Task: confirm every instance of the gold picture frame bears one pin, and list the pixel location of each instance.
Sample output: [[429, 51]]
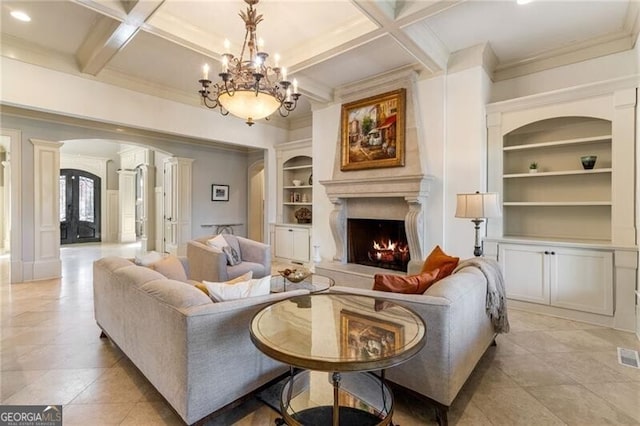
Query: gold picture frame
[[373, 131], [368, 338]]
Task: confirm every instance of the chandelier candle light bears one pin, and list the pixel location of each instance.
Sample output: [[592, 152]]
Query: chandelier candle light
[[250, 89]]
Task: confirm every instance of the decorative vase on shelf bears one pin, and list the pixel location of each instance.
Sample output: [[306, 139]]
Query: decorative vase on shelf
[[533, 167], [588, 161]]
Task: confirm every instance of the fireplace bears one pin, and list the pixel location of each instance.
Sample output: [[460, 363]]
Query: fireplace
[[378, 242]]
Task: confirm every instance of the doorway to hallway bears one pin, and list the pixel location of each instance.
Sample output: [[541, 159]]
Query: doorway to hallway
[[79, 207]]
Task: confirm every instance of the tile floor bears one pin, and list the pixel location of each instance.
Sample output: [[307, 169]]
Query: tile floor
[[546, 371]]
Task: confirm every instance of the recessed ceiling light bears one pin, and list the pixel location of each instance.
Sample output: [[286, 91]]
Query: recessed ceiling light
[[21, 16], [523, 1]]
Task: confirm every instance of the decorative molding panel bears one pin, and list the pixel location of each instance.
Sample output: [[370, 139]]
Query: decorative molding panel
[[46, 192]]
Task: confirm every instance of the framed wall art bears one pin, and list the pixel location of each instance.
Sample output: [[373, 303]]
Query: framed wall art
[[373, 131], [219, 192], [365, 337]]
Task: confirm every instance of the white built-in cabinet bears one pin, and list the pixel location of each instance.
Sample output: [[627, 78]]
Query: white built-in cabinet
[[292, 237], [292, 243], [580, 279], [567, 237]]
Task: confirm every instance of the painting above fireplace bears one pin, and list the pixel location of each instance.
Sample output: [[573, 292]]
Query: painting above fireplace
[[381, 243]]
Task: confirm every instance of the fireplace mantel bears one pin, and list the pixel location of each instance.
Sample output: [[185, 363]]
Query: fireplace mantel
[[407, 186], [414, 189]]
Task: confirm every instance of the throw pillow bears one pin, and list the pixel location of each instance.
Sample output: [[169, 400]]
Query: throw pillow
[[407, 284], [242, 278], [148, 258], [220, 292], [218, 242], [170, 267], [438, 259], [233, 258]]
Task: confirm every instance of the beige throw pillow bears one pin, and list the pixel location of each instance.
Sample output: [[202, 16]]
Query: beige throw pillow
[[242, 278]]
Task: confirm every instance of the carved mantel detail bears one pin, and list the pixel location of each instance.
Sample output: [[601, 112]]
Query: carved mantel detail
[[413, 189]]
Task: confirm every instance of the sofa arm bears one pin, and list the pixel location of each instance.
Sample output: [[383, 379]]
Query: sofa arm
[[206, 263], [255, 251]]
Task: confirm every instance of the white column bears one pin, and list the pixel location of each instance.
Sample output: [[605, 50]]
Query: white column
[[623, 157], [127, 204], [46, 192], [148, 211], [6, 217]]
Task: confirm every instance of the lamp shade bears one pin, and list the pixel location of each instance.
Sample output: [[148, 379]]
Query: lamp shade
[[478, 205]]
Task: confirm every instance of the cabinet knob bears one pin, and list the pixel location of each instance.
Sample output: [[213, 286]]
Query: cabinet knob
[[546, 252], [553, 253], [290, 230]]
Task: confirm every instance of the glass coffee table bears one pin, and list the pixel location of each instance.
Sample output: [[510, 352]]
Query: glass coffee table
[[315, 283], [337, 340]]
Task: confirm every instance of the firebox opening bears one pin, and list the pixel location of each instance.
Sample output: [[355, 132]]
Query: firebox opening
[[378, 242]]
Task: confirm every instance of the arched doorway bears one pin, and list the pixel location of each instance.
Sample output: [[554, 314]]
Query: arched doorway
[[79, 207]]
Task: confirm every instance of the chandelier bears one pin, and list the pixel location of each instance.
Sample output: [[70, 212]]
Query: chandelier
[[249, 88]]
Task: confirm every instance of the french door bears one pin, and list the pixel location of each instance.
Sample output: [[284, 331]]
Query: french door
[[79, 207]]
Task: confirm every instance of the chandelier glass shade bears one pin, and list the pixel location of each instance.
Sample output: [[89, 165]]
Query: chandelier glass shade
[[249, 88]]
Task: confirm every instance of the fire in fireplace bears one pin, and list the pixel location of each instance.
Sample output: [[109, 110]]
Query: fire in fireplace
[[378, 242]]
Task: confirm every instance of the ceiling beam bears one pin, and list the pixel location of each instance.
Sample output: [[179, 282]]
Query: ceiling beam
[[109, 36], [434, 59]]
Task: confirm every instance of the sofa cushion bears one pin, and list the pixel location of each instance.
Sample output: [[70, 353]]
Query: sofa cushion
[[113, 262], [137, 275], [175, 293], [232, 241], [438, 259], [148, 258], [218, 242], [233, 257], [202, 286], [170, 267], [407, 284], [255, 287]]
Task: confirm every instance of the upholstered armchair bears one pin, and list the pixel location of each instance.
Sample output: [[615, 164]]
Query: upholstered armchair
[[210, 263]]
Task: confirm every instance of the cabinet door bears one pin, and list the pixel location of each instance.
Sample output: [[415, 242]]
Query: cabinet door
[[525, 272], [582, 280], [300, 244], [284, 246]]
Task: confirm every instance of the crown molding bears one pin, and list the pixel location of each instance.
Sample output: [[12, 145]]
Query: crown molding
[[576, 52], [565, 95]]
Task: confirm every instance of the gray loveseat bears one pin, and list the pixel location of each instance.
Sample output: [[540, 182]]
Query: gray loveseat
[[459, 331], [196, 353], [210, 263]]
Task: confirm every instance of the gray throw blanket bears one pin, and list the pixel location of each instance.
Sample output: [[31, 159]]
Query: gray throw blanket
[[496, 302]]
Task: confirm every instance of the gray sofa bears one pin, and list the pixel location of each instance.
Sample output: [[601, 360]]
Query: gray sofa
[[196, 353], [210, 263], [459, 331]]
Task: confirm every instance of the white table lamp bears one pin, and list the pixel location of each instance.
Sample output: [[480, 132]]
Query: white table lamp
[[477, 207]]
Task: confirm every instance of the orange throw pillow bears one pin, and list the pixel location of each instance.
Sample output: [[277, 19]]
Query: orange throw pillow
[[408, 284], [438, 259]]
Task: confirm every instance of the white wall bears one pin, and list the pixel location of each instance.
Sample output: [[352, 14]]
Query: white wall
[[465, 152], [326, 133]]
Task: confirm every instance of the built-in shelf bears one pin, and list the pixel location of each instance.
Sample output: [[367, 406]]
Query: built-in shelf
[[558, 173], [558, 143], [556, 203], [297, 187], [298, 167], [298, 204]]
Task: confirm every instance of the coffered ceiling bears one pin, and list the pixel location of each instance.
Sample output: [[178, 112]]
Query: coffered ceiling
[[159, 46]]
